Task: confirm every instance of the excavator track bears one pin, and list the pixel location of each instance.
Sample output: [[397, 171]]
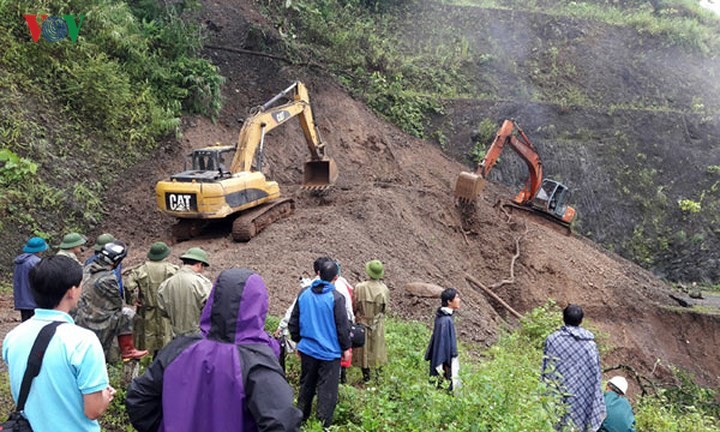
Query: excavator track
[[538, 216], [185, 229], [250, 223]]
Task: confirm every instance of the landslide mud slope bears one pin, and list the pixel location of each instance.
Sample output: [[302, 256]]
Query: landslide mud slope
[[393, 201], [626, 119]]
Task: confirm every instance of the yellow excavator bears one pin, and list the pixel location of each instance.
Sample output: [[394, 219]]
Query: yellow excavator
[[545, 197], [212, 190]]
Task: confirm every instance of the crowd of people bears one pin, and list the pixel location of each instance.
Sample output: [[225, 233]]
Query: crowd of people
[[214, 366]]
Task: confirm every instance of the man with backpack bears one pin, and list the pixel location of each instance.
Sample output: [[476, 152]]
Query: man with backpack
[[72, 388]]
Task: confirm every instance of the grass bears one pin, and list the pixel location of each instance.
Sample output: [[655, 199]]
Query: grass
[[501, 390]]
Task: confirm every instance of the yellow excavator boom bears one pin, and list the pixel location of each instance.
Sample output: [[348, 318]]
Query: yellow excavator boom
[[320, 171]]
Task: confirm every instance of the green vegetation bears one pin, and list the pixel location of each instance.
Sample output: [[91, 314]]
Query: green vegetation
[[406, 72], [358, 41], [88, 109], [500, 392], [483, 136], [680, 22]]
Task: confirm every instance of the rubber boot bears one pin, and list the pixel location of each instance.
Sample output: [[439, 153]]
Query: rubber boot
[[127, 348], [366, 374]]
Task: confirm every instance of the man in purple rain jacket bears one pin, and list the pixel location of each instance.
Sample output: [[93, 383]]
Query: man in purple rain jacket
[[226, 377]]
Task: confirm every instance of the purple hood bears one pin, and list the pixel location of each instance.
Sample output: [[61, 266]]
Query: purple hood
[[236, 309]]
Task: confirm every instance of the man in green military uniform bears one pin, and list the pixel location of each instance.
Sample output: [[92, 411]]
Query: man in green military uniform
[[143, 284], [72, 246], [101, 308], [370, 301], [182, 297]]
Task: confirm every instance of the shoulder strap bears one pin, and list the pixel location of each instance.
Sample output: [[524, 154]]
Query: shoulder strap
[[35, 360]]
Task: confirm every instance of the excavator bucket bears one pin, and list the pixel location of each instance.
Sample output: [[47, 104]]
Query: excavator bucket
[[468, 186], [319, 174]]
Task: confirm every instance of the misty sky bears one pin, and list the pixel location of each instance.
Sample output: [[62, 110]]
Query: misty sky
[[713, 5]]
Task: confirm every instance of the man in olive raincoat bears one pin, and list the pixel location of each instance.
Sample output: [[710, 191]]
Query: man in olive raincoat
[[370, 300], [142, 285], [182, 297]]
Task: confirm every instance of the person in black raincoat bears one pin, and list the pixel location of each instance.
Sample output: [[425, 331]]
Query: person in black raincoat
[[442, 351]]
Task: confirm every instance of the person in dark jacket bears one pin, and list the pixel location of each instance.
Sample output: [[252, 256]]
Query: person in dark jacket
[[24, 301], [224, 377], [442, 351], [100, 242], [320, 325]]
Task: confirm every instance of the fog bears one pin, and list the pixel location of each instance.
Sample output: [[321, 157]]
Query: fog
[[713, 5]]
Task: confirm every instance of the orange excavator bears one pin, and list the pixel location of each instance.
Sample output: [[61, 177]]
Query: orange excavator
[[544, 196]]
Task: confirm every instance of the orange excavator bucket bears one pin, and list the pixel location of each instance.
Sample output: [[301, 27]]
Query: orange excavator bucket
[[468, 186], [319, 174]]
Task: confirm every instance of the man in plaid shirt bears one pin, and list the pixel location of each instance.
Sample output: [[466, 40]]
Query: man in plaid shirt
[[571, 365]]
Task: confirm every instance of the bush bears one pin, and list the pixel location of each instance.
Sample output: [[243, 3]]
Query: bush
[[109, 97]]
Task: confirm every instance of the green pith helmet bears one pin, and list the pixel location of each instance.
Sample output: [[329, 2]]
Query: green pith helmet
[[102, 240], [196, 254], [158, 251], [72, 240], [375, 269]]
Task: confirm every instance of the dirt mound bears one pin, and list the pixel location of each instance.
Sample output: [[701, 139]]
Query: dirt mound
[[393, 201]]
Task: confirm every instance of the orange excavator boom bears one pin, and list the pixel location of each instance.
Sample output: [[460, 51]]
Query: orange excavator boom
[[469, 185]]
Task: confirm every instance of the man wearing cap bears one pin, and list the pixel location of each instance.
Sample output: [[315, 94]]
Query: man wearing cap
[[24, 301], [571, 367], [620, 417], [72, 246], [101, 241], [369, 304], [101, 309], [143, 284], [182, 296]]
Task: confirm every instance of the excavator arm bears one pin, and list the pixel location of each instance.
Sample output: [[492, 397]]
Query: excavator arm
[[543, 195], [511, 134], [319, 171]]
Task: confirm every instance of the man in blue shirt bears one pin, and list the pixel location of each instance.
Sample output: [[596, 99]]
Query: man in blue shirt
[[72, 389], [320, 325], [24, 301]]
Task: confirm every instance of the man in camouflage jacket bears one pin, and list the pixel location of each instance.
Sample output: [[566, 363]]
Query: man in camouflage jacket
[[101, 309], [143, 284]]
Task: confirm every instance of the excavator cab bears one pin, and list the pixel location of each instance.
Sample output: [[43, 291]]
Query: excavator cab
[[553, 198], [212, 158], [207, 164]]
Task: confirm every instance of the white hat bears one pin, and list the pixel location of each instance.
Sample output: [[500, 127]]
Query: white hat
[[620, 383]]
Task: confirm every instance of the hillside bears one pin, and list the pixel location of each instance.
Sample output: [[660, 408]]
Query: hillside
[[626, 119], [393, 201]]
